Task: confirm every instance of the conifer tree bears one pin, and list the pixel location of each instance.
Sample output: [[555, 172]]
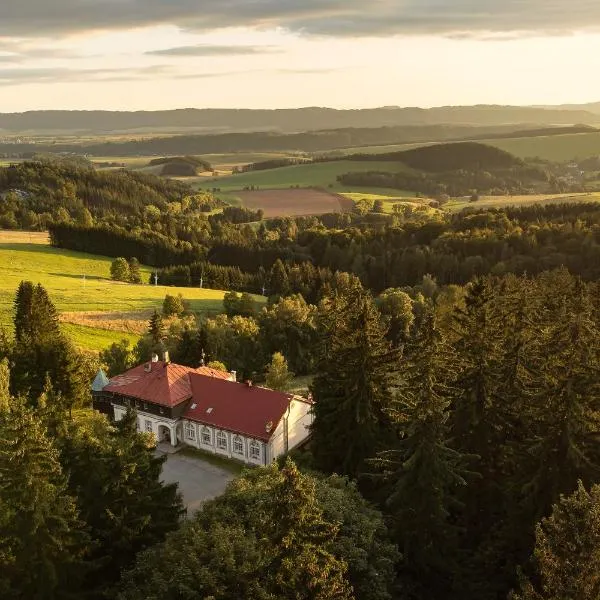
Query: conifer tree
[[567, 556], [42, 539], [422, 476], [35, 318], [135, 273], [156, 329], [278, 279], [564, 416], [265, 538], [116, 478], [352, 386]]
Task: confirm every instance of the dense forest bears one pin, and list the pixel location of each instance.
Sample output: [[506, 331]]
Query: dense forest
[[454, 362]]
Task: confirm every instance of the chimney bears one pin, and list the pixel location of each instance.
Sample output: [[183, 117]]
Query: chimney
[[249, 382], [166, 356], [154, 357], [148, 367], [233, 375]]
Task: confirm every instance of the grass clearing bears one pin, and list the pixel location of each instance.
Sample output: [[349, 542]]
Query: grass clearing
[[554, 147], [231, 465], [458, 204], [310, 175], [61, 273]]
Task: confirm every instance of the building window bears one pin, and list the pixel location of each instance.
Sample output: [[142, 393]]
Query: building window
[[138, 424], [149, 426], [190, 431], [206, 437], [221, 441], [238, 445], [254, 450]]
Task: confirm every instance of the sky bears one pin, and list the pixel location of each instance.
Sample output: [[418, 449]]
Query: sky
[[161, 54]]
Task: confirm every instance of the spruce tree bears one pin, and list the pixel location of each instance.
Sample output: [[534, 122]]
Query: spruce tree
[[156, 329], [116, 478], [278, 279], [564, 415], [42, 538], [352, 386], [567, 555], [422, 475], [135, 273]]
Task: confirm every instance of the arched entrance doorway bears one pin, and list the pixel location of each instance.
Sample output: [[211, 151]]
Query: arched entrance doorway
[[164, 434]]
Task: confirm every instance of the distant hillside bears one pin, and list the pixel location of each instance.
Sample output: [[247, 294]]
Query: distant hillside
[[448, 157], [315, 141], [181, 166], [285, 120]]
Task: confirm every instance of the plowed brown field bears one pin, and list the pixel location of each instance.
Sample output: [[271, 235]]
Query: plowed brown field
[[294, 202]]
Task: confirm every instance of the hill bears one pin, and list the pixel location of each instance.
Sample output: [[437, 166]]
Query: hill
[[289, 120], [180, 166], [448, 157], [555, 148], [96, 311]]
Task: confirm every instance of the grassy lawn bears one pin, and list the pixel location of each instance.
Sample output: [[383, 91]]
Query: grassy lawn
[[61, 273], [231, 465], [311, 175]]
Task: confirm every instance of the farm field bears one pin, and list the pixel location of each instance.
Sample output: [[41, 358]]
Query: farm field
[[296, 202], [558, 147], [458, 204], [310, 175], [98, 310]]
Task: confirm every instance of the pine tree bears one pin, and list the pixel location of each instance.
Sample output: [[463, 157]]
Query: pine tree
[[567, 556], [116, 478], [156, 329], [42, 539], [135, 273], [23, 306], [352, 386], [422, 476], [278, 376], [36, 318], [564, 415], [278, 279]]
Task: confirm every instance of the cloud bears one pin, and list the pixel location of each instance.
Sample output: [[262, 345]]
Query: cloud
[[208, 50], [33, 18], [21, 76]]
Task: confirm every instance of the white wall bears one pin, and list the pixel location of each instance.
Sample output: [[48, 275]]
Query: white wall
[[150, 424], [196, 430], [296, 422]]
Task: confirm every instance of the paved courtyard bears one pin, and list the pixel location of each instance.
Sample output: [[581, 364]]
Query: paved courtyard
[[198, 480]]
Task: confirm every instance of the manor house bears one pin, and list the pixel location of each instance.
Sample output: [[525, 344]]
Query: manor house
[[206, 409]]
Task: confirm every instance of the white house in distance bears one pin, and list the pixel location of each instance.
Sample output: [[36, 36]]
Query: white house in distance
[[206, 409]]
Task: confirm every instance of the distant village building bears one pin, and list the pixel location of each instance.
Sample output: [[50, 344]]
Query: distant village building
[[206, 409]]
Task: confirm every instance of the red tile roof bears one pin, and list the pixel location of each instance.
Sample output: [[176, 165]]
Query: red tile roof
[[166, 384], [248, 410]]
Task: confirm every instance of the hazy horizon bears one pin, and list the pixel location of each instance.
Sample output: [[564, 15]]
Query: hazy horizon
[[162, 55]]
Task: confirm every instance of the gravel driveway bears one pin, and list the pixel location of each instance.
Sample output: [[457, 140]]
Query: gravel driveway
[[198, 480]]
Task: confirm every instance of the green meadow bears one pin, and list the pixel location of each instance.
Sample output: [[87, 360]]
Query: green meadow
[[95, 310], [322, 175]]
